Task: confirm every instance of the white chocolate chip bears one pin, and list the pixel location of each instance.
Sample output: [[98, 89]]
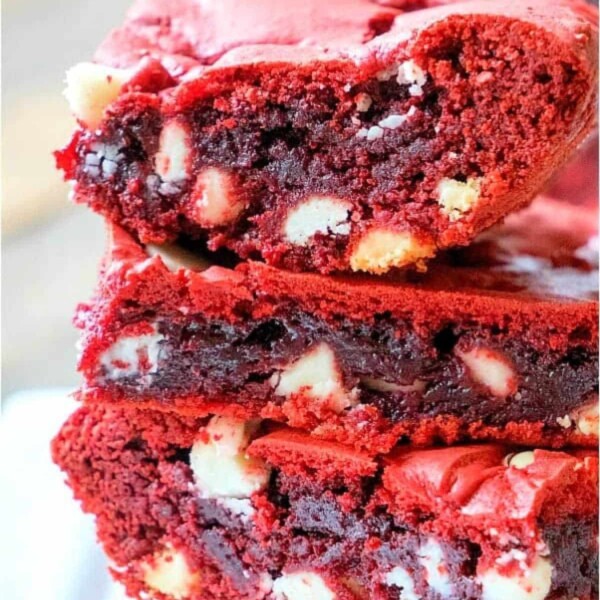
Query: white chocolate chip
[[400, 577], [431, 557], [392, 122], [586, 420], [173, 156], [169, 574], [175, 257], [533, 583], [303, 585], [380, 385], [565, 422], [133, 355], [379, 250], [317, 375], [317, 215], [240, 507], [103, 159], [521, 460], [457, 197], [372, 133], [265, 584], [514, 555], [409, 73], [215, 202], [221, 467], [395, 121], [363, 102], [490, 369], [91, 88]]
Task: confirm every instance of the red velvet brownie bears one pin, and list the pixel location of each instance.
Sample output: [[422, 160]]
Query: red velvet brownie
[[497, 341], [328, 136], [209, 509]]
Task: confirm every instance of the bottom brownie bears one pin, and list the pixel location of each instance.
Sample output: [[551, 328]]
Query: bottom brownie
[[214, 508]]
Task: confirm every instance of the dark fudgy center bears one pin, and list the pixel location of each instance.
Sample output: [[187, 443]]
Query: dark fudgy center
[[211, 358]]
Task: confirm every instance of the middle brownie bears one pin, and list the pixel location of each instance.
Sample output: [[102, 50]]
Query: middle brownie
[[498, 341]]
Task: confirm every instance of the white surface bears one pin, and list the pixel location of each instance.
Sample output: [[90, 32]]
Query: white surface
[[221, 467], [47, 545]]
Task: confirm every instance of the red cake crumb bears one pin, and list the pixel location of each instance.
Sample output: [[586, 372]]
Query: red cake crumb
[[469, 522], [329, 136], [497, 342]]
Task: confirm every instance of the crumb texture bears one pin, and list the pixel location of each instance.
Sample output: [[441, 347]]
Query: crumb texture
[[497, 342], [331, 522], [350, 137]]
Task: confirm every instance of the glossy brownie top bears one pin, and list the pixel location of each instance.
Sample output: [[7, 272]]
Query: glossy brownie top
[[184, 34]]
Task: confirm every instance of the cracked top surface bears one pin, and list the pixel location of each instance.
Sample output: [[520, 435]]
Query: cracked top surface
[[184, 34], [203, 31]]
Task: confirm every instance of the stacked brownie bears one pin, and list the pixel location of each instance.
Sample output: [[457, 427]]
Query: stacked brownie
[[320, 364]]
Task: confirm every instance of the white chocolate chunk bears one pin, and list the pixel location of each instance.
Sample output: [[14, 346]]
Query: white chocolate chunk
[[363, 102], [91, 88], [303, 585], [458, 197], [533, 583], [316, 373], [395, 121], [521, 460], [401, 579], [380, 385], [240, 507], [431, 556], [169, 574], [565, 422], [221, 467], [173, 156], [586, 420], [514, 555], [103, 158], [372, 133], [215, 199], [379, 250], [409, 73], [392, 121], [265, 584], [317, 215], [133, 355], [175, 257], [490, 369]]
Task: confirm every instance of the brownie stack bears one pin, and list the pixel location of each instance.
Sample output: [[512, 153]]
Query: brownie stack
[[325, 360]]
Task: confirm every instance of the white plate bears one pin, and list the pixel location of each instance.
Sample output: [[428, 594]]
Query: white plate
[[48, 549]]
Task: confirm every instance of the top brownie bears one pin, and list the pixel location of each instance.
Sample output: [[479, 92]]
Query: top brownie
[[329, 136]]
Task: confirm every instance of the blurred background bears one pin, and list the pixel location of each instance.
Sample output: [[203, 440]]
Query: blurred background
[[50, 248], [50, 253]]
